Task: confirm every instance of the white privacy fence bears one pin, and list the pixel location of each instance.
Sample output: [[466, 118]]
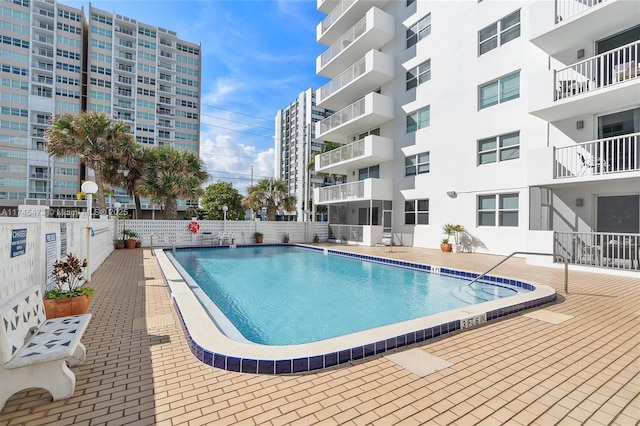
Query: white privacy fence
[[30, 245]]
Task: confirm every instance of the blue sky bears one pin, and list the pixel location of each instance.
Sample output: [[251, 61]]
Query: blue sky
[[257, 56]]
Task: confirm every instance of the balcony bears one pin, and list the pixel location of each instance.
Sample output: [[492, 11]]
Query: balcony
[[363, 153], [607, 81], [366, 113], [362, 190], [598, 158], [373, 31], [341, 17], [564, 24], [370, 72]]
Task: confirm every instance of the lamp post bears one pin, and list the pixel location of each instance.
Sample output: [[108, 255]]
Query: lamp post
[[224, 212], [89, 188]]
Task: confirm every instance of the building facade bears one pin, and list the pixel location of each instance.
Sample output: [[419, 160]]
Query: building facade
[[295, 145], [56, 60], [518, 120]]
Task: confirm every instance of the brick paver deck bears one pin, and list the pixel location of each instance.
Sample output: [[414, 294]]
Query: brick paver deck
[[515, 371]]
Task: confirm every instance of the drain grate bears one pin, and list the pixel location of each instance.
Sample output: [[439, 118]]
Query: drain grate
[[418, 362], [548, 316]]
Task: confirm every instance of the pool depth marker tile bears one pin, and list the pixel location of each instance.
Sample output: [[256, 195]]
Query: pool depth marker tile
[[418, 361], [548, 316]]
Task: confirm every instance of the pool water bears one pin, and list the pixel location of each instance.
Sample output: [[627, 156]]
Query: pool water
[[282, 295]]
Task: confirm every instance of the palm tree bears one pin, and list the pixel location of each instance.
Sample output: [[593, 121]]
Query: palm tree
[[126, 171], [171, 174], [91, 136], [272, 194]]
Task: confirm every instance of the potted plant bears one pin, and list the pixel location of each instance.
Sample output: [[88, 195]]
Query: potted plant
[[69, 296], [118, 244], [285, 239], [445, 246], [457, 231], [138, 243], [129, 237], [259, 237], [316, 239]]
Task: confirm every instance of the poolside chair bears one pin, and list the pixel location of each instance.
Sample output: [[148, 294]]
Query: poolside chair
[[385, 241], [595, 164], [587, 254]]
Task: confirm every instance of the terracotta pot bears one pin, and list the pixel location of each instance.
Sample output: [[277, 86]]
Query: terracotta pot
[[56, 308], [130, 244], [446, 247], [138, 244], [285, 240], [259, 240], [119, 245]]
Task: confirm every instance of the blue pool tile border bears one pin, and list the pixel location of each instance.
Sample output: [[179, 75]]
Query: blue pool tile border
[[332, 359]]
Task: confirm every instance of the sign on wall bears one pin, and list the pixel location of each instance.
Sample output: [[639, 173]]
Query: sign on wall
[[50, 254], [18, 242]]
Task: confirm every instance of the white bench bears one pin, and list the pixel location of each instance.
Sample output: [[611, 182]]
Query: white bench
[[36, 352]]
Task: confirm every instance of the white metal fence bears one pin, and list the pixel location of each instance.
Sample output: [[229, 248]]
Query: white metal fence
[[600, 249]]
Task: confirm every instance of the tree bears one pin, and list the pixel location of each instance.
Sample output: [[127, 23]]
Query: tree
[[171, 174], [272, 194], [92, 137], [221, 194], [126, 171]]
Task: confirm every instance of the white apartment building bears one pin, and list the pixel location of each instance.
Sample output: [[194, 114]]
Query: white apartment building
[[517, 119], [56, 60], [295, 144]]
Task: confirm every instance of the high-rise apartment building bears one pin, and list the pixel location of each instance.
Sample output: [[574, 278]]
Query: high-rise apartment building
[[519, 120], [295, 145], [56, 60]]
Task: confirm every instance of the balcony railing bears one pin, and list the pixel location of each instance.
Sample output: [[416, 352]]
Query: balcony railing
[[600, 157], [346, 232], [351, 73], [565, 9], [345, 115], [599, 249], [613, 67], [335, 14], [354, 32], [346, 152], [346, 191]]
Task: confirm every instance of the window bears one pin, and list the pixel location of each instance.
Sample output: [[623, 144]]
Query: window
[[499, 148], [369, 172], [418, 119], [418, 31], [416, 164], [416, 212], [499, 33], [506, 212], [500, 91], [418, 75]]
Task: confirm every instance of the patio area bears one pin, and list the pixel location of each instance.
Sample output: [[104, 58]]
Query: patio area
[[576, 361]]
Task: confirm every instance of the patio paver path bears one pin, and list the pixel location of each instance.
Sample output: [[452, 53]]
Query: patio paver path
[[516, 371]]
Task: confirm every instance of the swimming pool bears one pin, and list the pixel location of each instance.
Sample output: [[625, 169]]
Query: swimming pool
[[213, 347], [287, 295]]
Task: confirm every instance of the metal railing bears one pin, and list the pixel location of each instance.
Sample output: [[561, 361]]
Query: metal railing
[[600, 157], [346, 191], [346, 152], [565, 9], [343, 116], [599, 249], [335, 14], [555, 256], [343, 42], [606, 69], [350, 74]]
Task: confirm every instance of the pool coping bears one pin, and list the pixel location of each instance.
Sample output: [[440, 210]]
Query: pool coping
[[212, 347]]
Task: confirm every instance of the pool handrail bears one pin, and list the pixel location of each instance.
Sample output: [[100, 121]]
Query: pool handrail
[[564, 258]]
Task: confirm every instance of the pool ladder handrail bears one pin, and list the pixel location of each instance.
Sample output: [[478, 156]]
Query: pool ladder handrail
[[564, 258], [159, 235]]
